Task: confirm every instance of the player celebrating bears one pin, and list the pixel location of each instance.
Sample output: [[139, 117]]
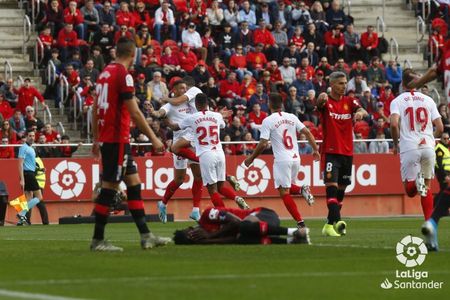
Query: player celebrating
[[114, 106], [413, 115], [205, 126], [281, 129], [336, 112], [176, 114]]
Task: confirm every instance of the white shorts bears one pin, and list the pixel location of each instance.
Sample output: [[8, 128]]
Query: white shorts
[[414, 161], [212, 167], [179, 162], [285, 173]]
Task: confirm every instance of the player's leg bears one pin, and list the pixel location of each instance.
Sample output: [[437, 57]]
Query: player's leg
[[430, 227], [208, 164], [427, 161], [41, 206], [344, 180], [197, 189], [331, 176], [409, 169], [31, 185], [224, 190], [295, 189], [182, 147]]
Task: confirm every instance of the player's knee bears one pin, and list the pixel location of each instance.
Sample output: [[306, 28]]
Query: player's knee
[[174, 148], [332, 191], [134, 192], [340, 195], [248, 228], [106, 197]]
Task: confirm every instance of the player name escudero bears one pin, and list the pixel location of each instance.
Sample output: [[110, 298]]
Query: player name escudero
[[206, 119], [340, 116], [284, 121]]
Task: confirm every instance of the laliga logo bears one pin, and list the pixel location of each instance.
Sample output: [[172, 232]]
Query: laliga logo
[[411, 251], [67, 180], [254, 179]]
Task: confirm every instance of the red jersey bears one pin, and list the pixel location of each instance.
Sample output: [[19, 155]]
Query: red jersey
[[114, 86], [212, 217], [336, 119]]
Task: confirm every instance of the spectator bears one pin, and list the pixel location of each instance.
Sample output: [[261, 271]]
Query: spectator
[[248, 15], [311, 35], [218, 70], [123, 32], [269, 86], [264, 12], [281, 38], [318, 15], [262, 35], [359, 68], [320, 85], [334, 44], [386, 97], [170, 63], [5, 151], [325, 67], [67, 41], [17, 124], [256, 60], [285, 17], [31, 119], [6, 131], [368, 101], [158, 89], [215, 16], [107, 16], [245, 37], [300, 15], [293, 54], [310, 107], [369, 43], [358, 145], [336, 16], [192, 38], [154, 59], [147, 109], [164, 18], [55, 17], [248, 87], [226, 42], [89, 70], [47, 43], [304, 147], [44, 151], [394, 75], [232, 16], [294, 104], [201, 75], [310, 54], [141, 90], [50, 134], [143, 38], [352, 45], [443, 111], [6, 110], [26, 95], [238, 63], [380, 126], [212, 91], [379, 146], [141, 16], [91, 19], [125, 18], [229, 90], [248, 148], [275, 74], [72, 15], [9, 92], [305, 67], [287, 72], [358, 85], [302, 84], [228, 149], [298, 39], [256, 117], [236, 131], [104, 38], [97, 58], [187, 58], [66, 151], [375, 74], [259, 97]]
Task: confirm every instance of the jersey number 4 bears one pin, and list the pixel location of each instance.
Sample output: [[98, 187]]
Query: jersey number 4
[[203, 133], [420, 116], [102, 96]]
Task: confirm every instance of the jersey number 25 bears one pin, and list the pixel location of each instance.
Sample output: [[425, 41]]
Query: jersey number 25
[[203, 133]]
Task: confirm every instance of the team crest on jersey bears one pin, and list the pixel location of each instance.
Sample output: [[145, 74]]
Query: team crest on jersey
[[345, 106], [129, 80]]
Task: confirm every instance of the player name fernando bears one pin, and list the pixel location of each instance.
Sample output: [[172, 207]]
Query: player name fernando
[[206, 119]]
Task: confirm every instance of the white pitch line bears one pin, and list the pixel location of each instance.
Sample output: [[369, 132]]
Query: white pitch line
[[23, 295]]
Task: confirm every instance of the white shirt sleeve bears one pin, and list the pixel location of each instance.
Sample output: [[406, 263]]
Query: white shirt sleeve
[[299, 125], [394, 107], [265, 130], [191, 93], [166, 107], [434, 112], [221, 121], [186, 123]]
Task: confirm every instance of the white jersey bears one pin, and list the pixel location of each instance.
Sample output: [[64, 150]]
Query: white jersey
[[205, 126], [417, 113], [281, 129], [191, 93], [176, 114]]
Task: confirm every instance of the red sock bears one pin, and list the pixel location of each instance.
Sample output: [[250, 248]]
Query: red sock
[[217, 200], [188, 153], [170, 190], [197, 188], [411, 189], [227, 192], [295, 189], [292, 207], [427, 205]]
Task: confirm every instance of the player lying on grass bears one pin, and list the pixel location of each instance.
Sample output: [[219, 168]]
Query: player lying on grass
[[237, 226], [205, 126], [281, 129]]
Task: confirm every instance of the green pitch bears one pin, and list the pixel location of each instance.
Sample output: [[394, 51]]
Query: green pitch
[[55, 261]]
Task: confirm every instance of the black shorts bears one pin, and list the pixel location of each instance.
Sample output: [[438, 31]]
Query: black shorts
[[337, 168], [117, 161], [31, 184], [269, 216]]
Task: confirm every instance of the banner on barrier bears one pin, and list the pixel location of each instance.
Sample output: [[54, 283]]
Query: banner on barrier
[[74, 178]]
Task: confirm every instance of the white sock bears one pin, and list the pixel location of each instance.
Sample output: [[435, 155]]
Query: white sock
[[196, 209], [289, 240], [291, 231]]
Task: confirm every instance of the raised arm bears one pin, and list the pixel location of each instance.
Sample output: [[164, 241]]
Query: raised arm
[[262, 145]]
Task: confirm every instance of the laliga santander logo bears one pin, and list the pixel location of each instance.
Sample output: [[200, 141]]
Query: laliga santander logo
[[67, 180], [411, 251], [254, 179]]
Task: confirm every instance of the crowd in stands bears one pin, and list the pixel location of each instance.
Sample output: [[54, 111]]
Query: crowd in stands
[[238, 51]]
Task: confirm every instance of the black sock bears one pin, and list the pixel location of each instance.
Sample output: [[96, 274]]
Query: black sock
[[139, 220], [334, 214], [276, 230], [278, 240], [100, 223], [43, 211], [442, 206], [340, 197]]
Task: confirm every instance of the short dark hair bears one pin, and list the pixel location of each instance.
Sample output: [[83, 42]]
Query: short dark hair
[[189, 81], [408, 76], [201, 100], [125, 47], [180, 237], [177, 82], [65, 137], [276, 101]]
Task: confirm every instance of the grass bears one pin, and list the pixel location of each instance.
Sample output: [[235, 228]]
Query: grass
[[55, 261]]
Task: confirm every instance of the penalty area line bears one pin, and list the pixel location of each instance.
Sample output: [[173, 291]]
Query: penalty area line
[[24, 295]]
